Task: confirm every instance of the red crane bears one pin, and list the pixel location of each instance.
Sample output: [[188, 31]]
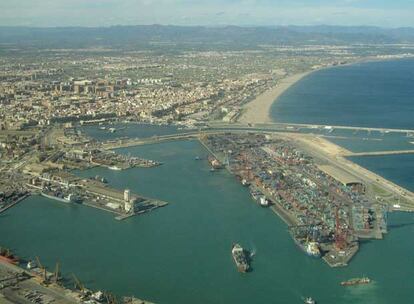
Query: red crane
[[340, 235]]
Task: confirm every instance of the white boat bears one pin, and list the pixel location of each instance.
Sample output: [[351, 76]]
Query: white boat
[[115, 168], [264, 202], [309, 300]]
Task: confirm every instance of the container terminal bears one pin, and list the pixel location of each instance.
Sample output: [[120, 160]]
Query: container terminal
[[326, 210]]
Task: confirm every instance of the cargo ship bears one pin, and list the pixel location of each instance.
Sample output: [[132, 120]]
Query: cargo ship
[[71, 198], [8, 257], [240, 257], [356, 281]]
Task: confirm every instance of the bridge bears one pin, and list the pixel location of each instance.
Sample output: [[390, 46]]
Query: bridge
[[297, 126], [218, 127]]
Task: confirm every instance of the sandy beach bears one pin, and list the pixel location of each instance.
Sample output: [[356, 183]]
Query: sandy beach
[[258, 110]]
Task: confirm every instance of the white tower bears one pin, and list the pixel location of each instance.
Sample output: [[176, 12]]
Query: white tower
[[129, 204], [127, 195]]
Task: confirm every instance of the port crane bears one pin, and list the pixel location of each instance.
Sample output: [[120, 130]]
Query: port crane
[[77, 283], [340, 235], [110, 298], [44, 279], [56, 275]]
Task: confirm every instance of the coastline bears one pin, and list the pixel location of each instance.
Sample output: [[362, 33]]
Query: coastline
[[258, 110]]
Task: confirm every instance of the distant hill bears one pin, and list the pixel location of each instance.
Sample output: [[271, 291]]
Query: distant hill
[[233, 37]]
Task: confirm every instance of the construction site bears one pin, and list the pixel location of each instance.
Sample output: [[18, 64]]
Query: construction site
[[327, 210]]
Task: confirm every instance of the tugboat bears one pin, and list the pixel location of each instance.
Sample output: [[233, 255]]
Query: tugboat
[[309, 300], [356, 281], [240, 258]]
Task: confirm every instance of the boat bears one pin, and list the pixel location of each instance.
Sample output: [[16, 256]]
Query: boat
[[55, 197], [356, 281], [264, 202], [245, 183], [255, 193], [115, 168], [309, 300], [197, 158], [311, 248], [240, 257], [215, 163], [70, 198]]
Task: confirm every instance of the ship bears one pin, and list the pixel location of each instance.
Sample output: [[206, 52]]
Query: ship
[[245, 183], [264, 202], [255, 193], [215, 163], [71, 198], [240, 257], [114, 168], [309, 300], [311, 248], [8, 257], [356, 281]]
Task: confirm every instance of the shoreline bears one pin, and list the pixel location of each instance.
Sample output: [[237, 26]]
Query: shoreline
[[258, 110]]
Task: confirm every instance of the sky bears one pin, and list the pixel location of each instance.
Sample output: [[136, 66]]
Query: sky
[[46, 13]]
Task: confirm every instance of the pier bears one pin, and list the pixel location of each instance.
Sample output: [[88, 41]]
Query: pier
[[379, 153]]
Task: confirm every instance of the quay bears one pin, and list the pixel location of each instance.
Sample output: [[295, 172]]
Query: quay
[[19, 285], [14, 203], [292, 174]]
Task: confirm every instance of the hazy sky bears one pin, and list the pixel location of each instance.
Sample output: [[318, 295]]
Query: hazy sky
[[387, 13]]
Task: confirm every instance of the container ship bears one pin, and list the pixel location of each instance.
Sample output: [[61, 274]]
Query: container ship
[[240, 257], [356, 281]]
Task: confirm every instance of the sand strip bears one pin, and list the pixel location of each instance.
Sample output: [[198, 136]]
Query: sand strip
[[258, 110]]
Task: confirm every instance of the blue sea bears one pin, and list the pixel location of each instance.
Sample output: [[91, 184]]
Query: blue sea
[[372, 94]]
